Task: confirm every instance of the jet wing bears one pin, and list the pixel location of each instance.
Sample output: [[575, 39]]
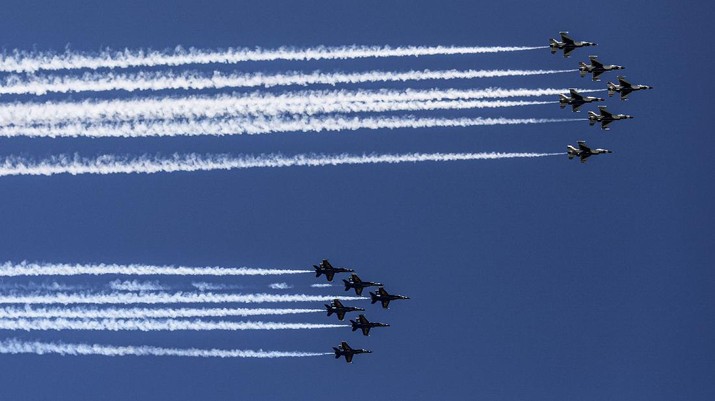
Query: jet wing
[[596, 74], [625, 94], [363, 319], [358, 290], [382, 292], [566, 38], [348, 358], [584, 157], [345, 346], [595, 62], [355, 278], [366, 331], [325, 264], [624, 83], [385, 303], [605, 124], [567, 50], [337, 303], [329, 274], [576, 106], [604, 111], [575, 95], [341, 314], [582, 147]]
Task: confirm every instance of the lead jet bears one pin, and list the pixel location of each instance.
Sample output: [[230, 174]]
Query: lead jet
[[577, 100], [567, 44], [605, 118], [384, 297], [596, 68], [329, 271], [358, 285], [365, 325], [344, 350], [340, 310], [624, 88], [584, 152]]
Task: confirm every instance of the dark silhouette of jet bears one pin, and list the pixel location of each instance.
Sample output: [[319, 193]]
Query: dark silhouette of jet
[[358, 285], [384, 297], [365, 325], [340, 310], [344, 350], [329, 271]]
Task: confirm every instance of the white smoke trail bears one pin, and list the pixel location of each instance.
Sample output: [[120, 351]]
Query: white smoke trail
[[260, 103], [160, 298], [321, 285], [110, 164], [192, 80], [152, 325], [280, 286], [19, 61], [143, 313], [135, 285], [15, 346], [256, 126], [9, 269]]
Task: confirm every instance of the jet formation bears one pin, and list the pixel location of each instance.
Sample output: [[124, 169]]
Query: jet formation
[[336, 306]]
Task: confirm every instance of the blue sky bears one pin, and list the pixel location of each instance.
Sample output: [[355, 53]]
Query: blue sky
[[530, 279]]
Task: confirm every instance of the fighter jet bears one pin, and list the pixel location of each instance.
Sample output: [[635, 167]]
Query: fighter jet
[[328, 269], [344, 350], [605, 118], [577, 100], [340, 310], [596, 68], [365, 325], [385, 298], [624, 88], [567, 44], [584, 152], [358, 285]]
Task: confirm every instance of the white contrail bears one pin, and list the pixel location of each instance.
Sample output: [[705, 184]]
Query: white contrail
[[152, 325], [9, 269], [161, 298], [192, 80], [111, 164], [321, 285], [135, 286], [257, 126], [279, 286], [15, 346], [143, 313], [262, 104], [19, 61]]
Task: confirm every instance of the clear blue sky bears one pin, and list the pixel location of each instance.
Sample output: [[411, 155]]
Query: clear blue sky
[[530, 279]]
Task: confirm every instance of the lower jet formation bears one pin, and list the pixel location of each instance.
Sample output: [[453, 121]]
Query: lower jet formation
[[625, 88], [577, 100], [344, 350], [337, 307], [584, 152], [605, 118], [358, 285], [596, 68], [365, 325], [384, 297], [329, 271]]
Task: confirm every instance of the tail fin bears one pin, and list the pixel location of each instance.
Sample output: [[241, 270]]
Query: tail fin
[[330, 310], [373, 297], [611, 88], [317, 271], [347, 285], [337, 353], [354, 325], [554, 45]]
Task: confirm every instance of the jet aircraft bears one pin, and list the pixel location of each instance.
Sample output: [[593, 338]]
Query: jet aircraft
[[384, 297], [567, 44], [605, 118], [344, 350], [358, 285], [596, 68], [365, 325], [340, 310], [624, 88], [329, 271], [577, 100], [584, 152]]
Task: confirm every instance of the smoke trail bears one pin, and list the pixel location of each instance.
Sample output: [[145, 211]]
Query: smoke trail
[[143, 313], [279, 286], [15, 346], [321, 285], [192, 80], [260, 103], [19, 61], [24, 268], [110, 164], [256, 126], [152, 325], [160, 298], [135, 285]]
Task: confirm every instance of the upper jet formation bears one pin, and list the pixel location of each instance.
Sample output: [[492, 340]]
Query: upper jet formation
[[365, 325], [358, 285], [340, 310], [384, 297], [567, 44], [624, 88], [577, 100], [605, 118], [584, 152], [596, 68], [329, 271]]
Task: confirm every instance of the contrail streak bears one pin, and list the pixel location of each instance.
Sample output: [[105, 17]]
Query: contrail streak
[[261, 104], [9, 269], [15, 346], [257, 126], [143, 313], [19, 61], [110, 164], [152, 325], [192, 80], [161, 298]]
